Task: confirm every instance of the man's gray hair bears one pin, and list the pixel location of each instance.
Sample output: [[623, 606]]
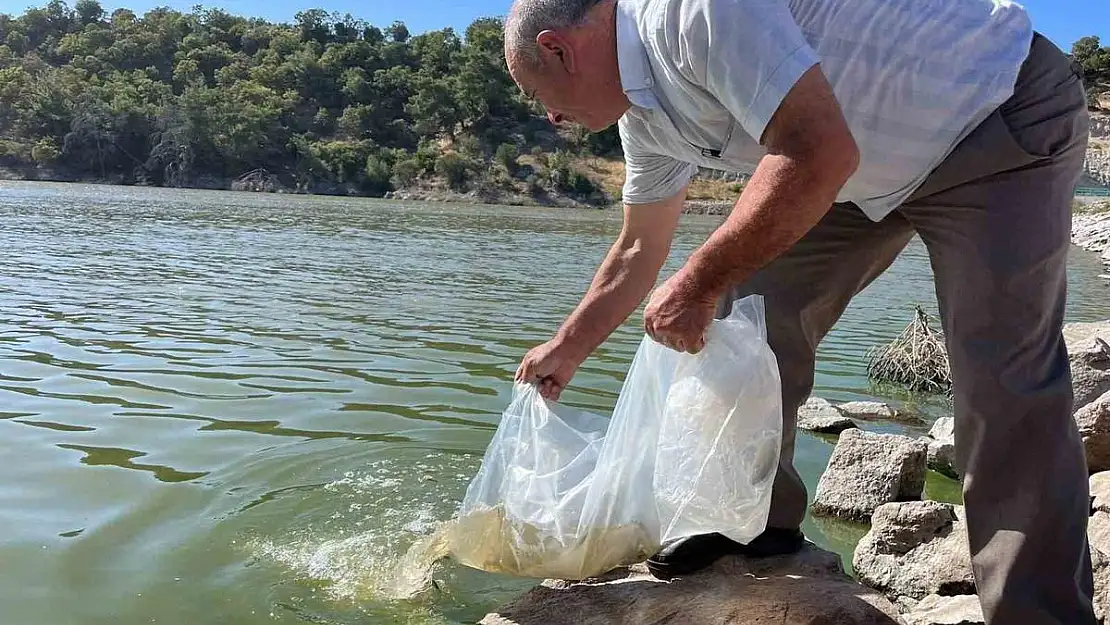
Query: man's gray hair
[[528, 18]]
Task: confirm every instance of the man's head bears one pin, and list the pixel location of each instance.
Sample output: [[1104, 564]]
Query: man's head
[[564, 54]]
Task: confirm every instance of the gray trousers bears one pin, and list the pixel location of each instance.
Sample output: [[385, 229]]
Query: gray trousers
[[996, 220]]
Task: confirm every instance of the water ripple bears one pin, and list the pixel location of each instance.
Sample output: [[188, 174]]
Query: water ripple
[[218, 358]]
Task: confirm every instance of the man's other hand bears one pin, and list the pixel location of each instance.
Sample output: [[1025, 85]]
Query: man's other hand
[[550, 366], [679, 313]]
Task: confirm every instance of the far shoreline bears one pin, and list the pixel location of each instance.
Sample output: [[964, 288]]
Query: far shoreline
[[444, 196]]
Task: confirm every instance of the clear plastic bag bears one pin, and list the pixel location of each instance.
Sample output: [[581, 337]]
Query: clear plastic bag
[[692, 448]]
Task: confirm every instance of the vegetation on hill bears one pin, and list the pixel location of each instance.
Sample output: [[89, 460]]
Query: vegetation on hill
[[1094, 59], [325, 104]]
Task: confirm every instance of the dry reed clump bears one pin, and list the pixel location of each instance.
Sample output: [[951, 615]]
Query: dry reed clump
[[917, 359]]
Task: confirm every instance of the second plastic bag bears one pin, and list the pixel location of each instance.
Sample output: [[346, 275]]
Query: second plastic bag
[[692, 447]]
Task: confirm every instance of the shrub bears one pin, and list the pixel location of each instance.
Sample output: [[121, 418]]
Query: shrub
[[45, 151], [426, 156], [534, 186], [455, 168], [406, 171], [581, 185], [468, 145], [14, 151], [506, 156]]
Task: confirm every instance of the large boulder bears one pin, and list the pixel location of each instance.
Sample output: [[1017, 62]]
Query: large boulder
[[867, 470], [1094, 426], [1089, 355], [938, 610], [916, 549], [942, 447], [807, 588]]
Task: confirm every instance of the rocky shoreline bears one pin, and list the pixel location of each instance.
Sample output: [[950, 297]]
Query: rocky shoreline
[[912, 567], [1091, 231]]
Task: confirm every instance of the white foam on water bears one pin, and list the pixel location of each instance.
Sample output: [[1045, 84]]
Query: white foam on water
[[386, 537], [362, 566]]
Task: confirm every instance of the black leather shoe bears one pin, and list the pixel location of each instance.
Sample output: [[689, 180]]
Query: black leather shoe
[[775, 541], [693, 553]]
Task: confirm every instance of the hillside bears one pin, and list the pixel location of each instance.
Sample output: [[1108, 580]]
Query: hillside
[[326, 104]]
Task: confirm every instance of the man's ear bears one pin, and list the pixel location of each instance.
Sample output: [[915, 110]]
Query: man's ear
[[555, 48]]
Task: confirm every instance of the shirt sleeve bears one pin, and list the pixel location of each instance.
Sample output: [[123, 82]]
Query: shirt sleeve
[[648, 176], [749, 54]]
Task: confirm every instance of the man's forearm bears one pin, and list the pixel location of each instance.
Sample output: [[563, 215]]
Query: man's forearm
[[810, 155], [782, 201], [622, 281]]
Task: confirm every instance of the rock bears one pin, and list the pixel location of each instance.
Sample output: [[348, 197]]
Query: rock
[[806, 588], [1100, 492], [826, 424], [1101, 565], [818, 415], [816, 406], [1094, 426], [942, 458], [916, 549], [905, 605], [867, 470], [937, 610], [1080, 336], [944, 430], [942, 447], [867, 410], [1089, 356], [1098, 536], [1098, 532], [1097, 165]]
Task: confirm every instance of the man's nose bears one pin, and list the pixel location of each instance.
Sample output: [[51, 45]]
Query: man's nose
[[555, 118]]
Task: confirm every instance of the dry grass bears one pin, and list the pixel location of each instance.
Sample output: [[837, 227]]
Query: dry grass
[[608, 173], [917, 359], [717, 190], [1091, 208]]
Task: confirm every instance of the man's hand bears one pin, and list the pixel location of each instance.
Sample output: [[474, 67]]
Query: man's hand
[[679, 313], [550, 366], [622, 281]]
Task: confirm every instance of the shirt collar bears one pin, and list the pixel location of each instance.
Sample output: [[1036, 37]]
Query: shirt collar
[[632, 59]]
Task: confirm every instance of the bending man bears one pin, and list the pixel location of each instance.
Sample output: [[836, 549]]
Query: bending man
[[862, 122]]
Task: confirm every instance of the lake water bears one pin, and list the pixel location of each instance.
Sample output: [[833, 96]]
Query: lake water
[[235, 408]]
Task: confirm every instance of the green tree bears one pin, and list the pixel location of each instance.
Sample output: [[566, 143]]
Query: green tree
[[88, 12], [1094, 59], [378, 175], [398, 32], [433, 107]]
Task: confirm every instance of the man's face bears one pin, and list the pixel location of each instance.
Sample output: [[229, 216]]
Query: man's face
[[565, 94]]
